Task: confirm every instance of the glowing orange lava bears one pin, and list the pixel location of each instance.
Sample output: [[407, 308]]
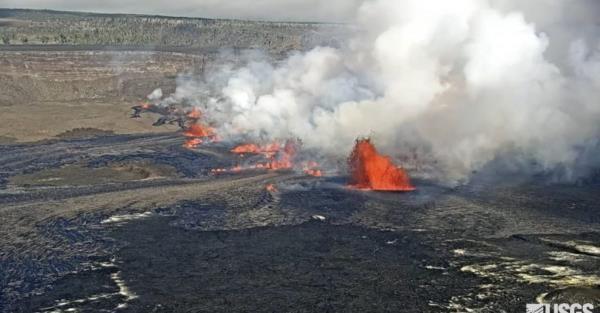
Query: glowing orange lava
[[191, 143], [312, 168], [370, 170], [198, 130], [277, 158], [284, 159], [246, 148], [268, 150], [313, 172]]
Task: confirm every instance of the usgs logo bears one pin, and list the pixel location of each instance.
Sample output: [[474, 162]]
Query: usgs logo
[[560, 308]]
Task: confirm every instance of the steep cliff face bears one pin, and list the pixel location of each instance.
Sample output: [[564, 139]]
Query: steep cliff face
[[77, 75], [45, 93]]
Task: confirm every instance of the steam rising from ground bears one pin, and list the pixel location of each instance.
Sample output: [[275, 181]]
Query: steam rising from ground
[[460, 83]]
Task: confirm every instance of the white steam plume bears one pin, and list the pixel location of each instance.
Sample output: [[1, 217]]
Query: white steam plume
[[463, 81]]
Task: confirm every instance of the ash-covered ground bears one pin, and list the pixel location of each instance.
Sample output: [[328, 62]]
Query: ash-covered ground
[[136, 223], [103, 213]]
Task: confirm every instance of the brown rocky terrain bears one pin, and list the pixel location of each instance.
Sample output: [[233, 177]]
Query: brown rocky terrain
[[44, 94]]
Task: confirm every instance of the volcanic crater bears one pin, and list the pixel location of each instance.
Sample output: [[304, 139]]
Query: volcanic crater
[[100, 212]]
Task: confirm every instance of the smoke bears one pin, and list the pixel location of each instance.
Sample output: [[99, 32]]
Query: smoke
[[461, 83], [155, 95]]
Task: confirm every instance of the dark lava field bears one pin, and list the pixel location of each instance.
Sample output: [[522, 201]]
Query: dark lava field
[[136, 223]]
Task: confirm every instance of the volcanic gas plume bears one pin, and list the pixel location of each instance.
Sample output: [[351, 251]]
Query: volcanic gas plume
[[370, 170], [463, 83]]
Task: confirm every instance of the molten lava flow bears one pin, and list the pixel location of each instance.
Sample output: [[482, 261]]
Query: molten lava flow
[[188, 120], [192, 143], [277, 158], [285, 158], [246, 148], [370, 170], [268, 150], [313, 172], [198, 130], [312, 168], [195, 132]]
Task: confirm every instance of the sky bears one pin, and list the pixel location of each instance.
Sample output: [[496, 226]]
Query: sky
[[285, 10]]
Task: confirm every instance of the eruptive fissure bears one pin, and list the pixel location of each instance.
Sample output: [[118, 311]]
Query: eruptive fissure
[[373, 171], [473, 83], [312, 168], [195, 132], [277, 158], [267, 150], [368, 169]]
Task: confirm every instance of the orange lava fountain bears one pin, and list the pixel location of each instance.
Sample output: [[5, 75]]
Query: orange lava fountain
[[370, 170]]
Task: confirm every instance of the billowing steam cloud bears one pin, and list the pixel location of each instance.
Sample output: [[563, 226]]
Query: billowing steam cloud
[[460, 82]]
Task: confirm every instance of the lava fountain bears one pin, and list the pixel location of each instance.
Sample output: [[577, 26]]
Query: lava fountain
[[373, 171]]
